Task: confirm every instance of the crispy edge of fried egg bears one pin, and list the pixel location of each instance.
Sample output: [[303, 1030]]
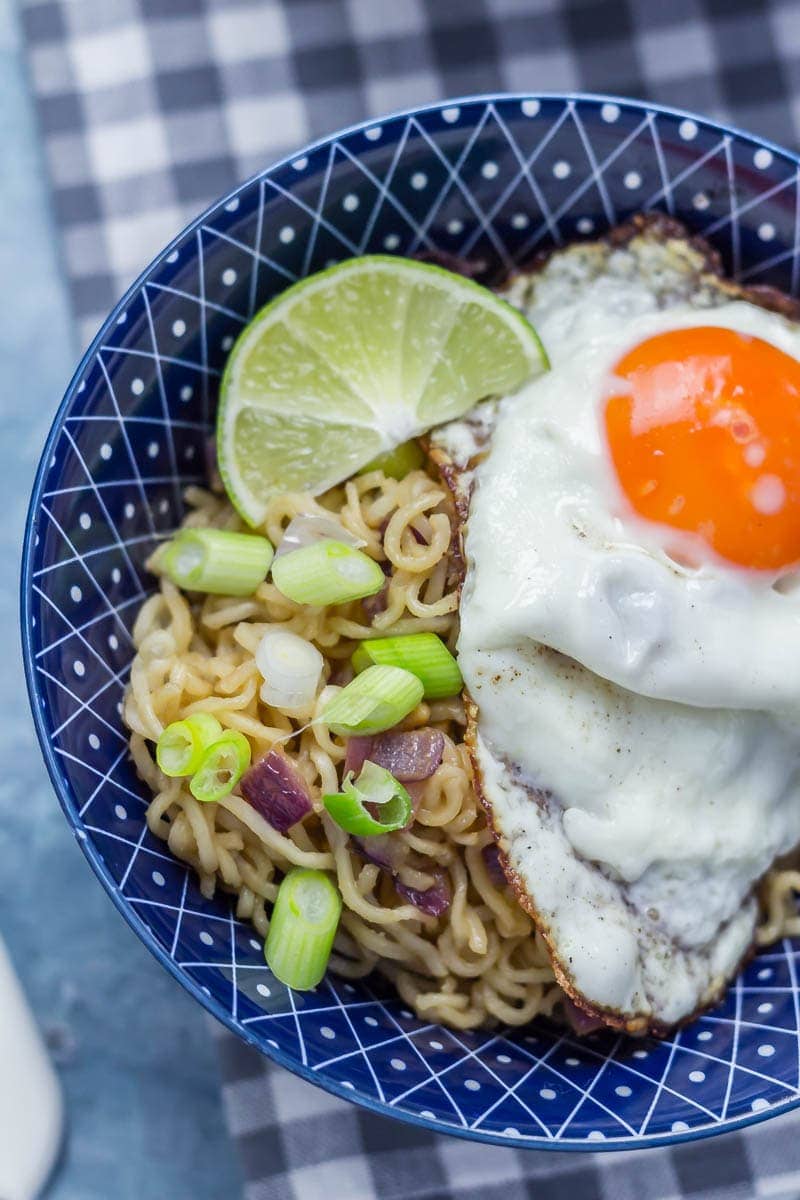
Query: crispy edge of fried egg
[[683, 270]]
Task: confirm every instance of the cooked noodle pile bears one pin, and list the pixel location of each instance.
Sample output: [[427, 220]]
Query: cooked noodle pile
[[482, 961]]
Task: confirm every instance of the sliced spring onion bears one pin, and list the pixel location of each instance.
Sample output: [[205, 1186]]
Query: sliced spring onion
[[423, 654], [397, 463], [377, 699], [302, 928], [326, 572], [182, 744], [222, 766], [307, 528], [377, 786], [217, 561], [291, 667]]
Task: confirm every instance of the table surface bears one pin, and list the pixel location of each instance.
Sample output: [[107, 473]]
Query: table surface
[[137, 1064]]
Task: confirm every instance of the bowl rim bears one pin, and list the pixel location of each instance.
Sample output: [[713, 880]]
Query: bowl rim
[[58, 778]]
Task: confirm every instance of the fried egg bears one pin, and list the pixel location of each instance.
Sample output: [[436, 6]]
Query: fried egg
[[630, 615]]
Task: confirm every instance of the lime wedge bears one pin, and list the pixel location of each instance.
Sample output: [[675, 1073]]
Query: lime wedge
[[353, 361]]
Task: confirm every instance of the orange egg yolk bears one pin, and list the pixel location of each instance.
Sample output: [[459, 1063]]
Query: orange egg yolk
[[703, 427]]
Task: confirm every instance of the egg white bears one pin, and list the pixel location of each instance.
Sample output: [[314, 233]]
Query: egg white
[[633, 731], [581, 574]]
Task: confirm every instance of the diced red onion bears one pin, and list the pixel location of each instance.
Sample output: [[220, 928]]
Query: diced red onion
[[307, 528], [377, 603], [389, 853], [384, 850], [491, 859], [434, 901], [342, 675], [275, 789], [416, 790], [410, 756], [357, 753], [581, 1022]]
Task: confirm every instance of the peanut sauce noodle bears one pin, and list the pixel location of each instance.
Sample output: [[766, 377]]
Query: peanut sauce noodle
[[480, 963]]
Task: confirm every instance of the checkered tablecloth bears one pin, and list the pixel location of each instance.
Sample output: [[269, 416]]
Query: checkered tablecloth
[[148, 110]]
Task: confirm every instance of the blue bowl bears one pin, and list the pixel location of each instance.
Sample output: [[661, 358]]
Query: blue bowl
[[490, 177]]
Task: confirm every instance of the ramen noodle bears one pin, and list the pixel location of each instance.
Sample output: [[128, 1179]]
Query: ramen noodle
[[481, 962]]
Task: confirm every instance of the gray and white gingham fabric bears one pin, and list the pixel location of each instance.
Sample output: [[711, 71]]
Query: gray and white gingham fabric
[[299, 1143], [149, 109]]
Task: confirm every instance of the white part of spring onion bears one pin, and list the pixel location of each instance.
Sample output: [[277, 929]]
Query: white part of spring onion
[[302, 928], [307, 528], [188, 556], [291, 667], [326, 572]]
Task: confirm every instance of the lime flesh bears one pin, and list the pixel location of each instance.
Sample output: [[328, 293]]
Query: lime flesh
[[353, 361]]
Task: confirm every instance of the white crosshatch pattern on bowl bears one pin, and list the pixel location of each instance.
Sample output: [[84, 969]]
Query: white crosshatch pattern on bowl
[[495, 180]]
